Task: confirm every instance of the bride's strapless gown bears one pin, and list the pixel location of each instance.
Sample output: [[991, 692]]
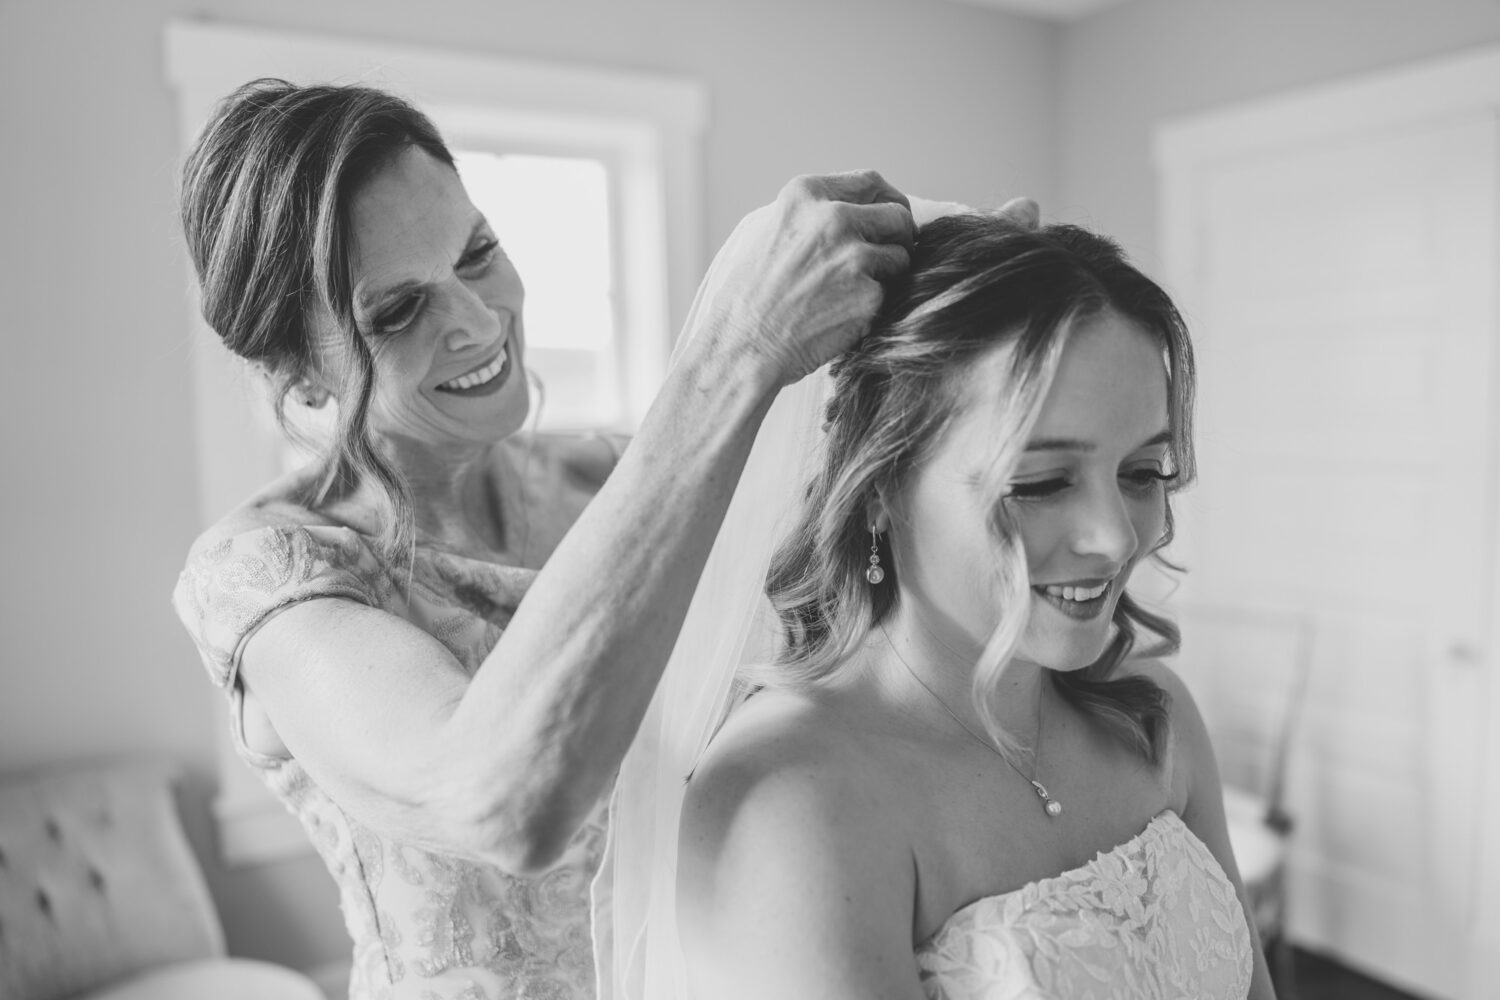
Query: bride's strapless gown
[[1155, 917]]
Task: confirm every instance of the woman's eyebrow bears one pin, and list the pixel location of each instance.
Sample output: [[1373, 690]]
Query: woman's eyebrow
[[1075, 444], [370, 298]]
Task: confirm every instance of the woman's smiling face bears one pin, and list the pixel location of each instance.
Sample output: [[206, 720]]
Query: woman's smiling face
[[439, 304], [1087, 499]]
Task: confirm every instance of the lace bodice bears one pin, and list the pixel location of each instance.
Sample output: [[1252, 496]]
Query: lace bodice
[[426, 926], [1153, 918]]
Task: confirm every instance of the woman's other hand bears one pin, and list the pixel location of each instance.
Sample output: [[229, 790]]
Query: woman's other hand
[[798, 280]]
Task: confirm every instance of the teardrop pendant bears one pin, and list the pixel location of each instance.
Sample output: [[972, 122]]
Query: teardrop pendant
[[1050, 805]]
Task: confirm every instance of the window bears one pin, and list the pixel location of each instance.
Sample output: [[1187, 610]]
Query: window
[[604, 149], [552, 215]]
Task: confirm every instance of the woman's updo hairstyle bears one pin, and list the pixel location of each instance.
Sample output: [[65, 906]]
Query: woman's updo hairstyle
[[265, 201], [977, 281]]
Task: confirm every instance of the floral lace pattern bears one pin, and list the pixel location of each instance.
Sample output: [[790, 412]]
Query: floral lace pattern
[[1155, 917], [425, 926]]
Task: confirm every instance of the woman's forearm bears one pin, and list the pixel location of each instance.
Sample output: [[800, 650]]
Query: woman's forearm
[[576, 668]]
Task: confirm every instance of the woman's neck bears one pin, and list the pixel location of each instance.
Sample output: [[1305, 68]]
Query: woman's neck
[[927, 674], [459, 498]]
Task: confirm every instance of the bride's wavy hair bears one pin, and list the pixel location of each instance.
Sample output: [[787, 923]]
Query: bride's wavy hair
[[977, 282]]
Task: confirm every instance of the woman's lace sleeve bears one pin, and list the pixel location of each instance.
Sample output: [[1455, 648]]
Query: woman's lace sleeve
[[233, 585]]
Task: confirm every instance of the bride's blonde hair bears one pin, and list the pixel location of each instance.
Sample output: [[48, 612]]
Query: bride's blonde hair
[[978, 282]]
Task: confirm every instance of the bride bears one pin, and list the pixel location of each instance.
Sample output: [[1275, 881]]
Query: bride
[[949, 771]]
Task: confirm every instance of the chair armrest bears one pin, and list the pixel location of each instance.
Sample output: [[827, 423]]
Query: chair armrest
[[216, 978]]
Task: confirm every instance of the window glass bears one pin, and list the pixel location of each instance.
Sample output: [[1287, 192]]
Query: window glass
[[552, 216]]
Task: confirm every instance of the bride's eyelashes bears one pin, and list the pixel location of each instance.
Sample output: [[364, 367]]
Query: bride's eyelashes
[[1139, 482], [1146, 481], [1037, 489]]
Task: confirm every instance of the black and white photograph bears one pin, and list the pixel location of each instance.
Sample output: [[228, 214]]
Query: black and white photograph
[[728, 500]]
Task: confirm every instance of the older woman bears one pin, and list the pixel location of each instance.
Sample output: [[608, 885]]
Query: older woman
[[438, 640]]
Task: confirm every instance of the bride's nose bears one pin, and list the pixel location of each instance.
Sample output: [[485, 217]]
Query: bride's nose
[[1104, 529]]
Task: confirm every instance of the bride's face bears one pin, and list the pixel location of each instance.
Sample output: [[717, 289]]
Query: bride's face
[[1088, 498]]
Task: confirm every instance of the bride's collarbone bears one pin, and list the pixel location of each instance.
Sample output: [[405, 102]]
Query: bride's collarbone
[[981, 830], [975, 827]]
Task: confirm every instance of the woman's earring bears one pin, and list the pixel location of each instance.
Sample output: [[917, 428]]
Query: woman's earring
[[310, 394], [874, 574]]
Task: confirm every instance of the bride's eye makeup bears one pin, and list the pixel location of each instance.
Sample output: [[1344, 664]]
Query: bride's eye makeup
[[1037, 489], [1144, 481]]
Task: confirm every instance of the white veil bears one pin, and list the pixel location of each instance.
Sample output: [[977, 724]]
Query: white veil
[[728, 623]]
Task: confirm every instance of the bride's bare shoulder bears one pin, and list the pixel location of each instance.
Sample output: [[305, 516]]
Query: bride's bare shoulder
[[799, 758], [784, 836], [775, 729]]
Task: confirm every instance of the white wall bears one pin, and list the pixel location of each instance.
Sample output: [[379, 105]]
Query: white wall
[[1128, 68], [97, 498], [1126, 71]]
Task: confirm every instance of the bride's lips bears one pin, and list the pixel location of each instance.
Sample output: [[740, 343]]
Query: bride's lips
[[1081, 600]]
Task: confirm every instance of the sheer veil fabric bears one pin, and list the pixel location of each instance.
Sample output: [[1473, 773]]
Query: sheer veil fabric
[[729, 623]]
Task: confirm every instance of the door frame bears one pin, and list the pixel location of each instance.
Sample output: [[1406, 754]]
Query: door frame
[[1186, 149]]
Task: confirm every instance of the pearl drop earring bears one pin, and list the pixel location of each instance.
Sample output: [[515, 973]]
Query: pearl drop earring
[[874, 573]]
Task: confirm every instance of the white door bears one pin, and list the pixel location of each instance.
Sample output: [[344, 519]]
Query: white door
[[1341, 292]]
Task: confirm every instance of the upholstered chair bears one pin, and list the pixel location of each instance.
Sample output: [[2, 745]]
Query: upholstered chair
[[102, 899]]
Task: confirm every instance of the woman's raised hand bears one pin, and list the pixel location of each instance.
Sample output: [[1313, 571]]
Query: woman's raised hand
[[798, 281]]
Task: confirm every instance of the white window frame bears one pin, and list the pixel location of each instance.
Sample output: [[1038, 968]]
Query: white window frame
[[648, 126]]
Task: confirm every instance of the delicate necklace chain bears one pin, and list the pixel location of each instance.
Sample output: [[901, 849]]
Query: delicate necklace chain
[[1051, 806]]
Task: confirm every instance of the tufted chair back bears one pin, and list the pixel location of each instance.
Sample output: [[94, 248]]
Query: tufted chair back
[[96, 880]]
